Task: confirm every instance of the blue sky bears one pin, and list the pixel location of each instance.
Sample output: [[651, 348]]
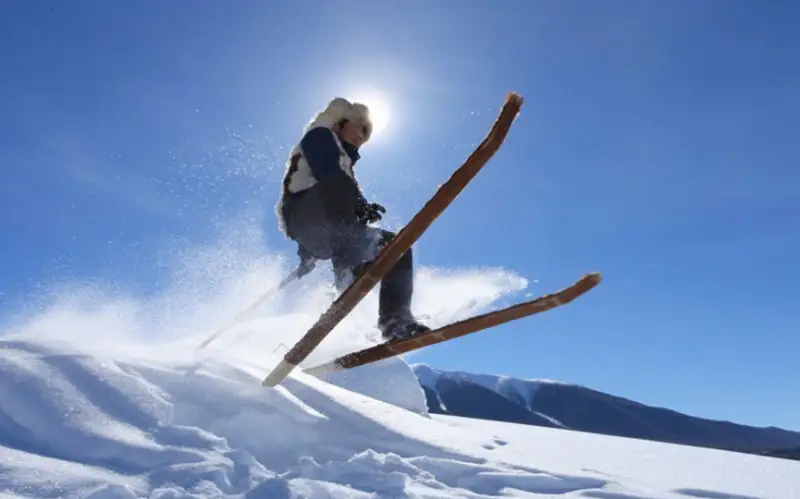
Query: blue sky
[[655, 145]]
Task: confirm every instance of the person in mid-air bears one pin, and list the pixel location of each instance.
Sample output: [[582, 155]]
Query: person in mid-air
[[322, 209]]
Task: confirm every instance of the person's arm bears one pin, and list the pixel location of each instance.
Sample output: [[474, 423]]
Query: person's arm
[[339, 191], [322, 154]]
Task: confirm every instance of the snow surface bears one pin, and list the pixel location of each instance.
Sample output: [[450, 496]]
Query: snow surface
[[103, 396], [80, 424]]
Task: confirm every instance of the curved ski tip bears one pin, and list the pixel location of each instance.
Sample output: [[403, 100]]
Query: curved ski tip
[[595, 277], [515, 98], [278, 374]]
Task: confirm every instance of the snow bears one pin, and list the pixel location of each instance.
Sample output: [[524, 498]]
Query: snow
[[77, 423], [634, 468], [103, 396]]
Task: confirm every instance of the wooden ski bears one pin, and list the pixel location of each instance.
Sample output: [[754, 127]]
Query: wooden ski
[[406, 238], [458, 329]]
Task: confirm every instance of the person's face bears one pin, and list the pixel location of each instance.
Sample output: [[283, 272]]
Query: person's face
[[354, 133]]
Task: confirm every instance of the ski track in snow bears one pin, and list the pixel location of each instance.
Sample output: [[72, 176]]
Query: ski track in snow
[[80, 425]]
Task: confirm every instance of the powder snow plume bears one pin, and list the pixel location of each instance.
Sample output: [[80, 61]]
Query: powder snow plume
[[208, 285]]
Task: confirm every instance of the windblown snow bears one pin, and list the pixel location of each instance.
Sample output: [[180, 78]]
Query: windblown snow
[[104, 396]]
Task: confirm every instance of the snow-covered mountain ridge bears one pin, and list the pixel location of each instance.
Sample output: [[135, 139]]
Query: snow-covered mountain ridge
[[555, 404]]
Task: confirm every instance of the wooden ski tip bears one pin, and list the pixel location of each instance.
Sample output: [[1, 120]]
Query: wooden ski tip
[[589, 280], [278, 374], [515, 99]]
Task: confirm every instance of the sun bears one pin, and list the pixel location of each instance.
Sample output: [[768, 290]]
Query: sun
[[379, 109]]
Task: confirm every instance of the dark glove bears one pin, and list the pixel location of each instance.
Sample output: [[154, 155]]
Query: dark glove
[[369, 212]]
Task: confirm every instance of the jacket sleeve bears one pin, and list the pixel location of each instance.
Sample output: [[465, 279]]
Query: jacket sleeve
[[322, 154], [339, 193]]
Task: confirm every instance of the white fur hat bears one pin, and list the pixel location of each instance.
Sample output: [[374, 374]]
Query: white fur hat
[[340, 108]]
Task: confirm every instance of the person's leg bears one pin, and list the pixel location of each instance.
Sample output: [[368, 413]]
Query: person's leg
[[326, 231], [397, 285], [354, 255], [321, 221], [397, 288], [395, 319]]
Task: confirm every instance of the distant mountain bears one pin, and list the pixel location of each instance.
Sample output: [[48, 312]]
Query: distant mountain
[[555, 404]]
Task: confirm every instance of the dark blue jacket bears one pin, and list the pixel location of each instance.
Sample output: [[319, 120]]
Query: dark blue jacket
[[336, 196], [322, 153]]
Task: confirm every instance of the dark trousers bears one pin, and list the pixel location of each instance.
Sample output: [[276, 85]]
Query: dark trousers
[[322, 221]]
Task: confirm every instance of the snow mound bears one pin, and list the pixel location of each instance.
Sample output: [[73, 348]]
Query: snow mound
[[75, 424], [391, 380], [133, 427]]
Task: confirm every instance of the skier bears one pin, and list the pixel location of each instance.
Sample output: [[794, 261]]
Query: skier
[[322, 209]]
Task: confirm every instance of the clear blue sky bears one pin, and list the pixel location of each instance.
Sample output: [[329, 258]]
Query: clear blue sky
[[657, 144]]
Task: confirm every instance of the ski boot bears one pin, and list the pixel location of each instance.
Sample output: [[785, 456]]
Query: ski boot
[[398, 328]]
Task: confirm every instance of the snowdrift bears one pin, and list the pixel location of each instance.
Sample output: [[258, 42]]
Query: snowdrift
[[86, 425]]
